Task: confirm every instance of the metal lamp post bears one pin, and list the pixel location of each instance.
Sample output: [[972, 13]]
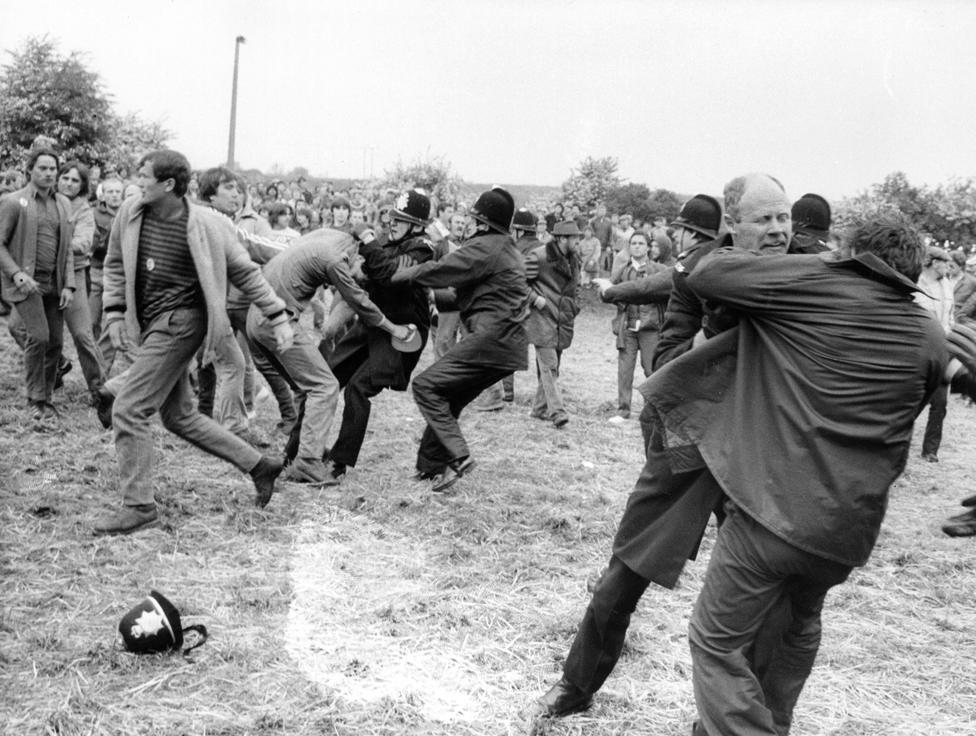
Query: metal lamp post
[[233, 104]]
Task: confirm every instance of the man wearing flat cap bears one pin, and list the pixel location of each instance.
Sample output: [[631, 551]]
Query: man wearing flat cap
[[554, 280]]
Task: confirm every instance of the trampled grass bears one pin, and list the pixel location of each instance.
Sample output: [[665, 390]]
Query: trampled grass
[[380, 608]]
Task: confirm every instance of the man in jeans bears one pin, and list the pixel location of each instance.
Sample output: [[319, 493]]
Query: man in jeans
[[166, 275], [37, 275]]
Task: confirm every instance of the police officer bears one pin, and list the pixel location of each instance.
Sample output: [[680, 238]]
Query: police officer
[[489, 276], [364, 359]]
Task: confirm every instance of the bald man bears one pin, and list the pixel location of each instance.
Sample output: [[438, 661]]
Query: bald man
[[675, 495]]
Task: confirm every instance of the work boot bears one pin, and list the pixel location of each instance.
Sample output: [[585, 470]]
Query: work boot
[[264, 475], [562, 699], [103, 402], [64, 368], [128, 520]]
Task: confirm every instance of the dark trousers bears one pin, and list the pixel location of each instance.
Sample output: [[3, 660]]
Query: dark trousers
[[44, 322], [938, 405], [601, 633], [360, 382], [441, 392], [750, 576]]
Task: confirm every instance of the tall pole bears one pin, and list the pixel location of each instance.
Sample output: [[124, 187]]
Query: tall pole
[[233, 104]]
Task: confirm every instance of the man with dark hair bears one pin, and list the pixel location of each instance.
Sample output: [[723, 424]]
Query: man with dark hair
[[364, 360], [801, 371], [221, 384], [341, 210], [166, 274], [37, 275], [489, 276]]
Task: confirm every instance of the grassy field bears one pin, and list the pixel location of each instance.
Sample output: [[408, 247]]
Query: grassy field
[[380, 608]]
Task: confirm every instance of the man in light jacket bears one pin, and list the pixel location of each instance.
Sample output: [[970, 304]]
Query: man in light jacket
[[166, 274]]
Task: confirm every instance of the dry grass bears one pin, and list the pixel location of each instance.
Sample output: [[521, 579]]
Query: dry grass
[[379, 608]]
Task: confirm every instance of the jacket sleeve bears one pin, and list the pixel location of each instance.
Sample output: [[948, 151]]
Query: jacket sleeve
[[379, 263], [9, 215], [746, 281], [83, 234], [341, 278], [113, 280], [652, 289], [245, 274], [682, 320], [466, 265], [259, 248]]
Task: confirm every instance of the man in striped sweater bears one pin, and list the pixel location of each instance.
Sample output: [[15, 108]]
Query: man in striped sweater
[[165, 285]]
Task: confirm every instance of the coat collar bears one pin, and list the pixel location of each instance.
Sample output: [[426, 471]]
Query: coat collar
[[873, 267]]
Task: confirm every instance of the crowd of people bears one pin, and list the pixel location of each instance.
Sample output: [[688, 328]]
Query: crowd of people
[[759, 330]]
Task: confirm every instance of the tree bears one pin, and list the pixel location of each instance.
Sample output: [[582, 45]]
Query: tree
[[592, 181], [627, 198], [433, 175], [131, 138], [663, 203], [45, 93]]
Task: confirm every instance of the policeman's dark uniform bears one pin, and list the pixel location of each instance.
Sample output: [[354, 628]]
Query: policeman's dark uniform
[[488, 274], [364, 360]]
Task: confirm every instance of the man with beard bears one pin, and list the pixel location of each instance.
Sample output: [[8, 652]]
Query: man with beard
[[364, 360], [489, 276], [549, 326]]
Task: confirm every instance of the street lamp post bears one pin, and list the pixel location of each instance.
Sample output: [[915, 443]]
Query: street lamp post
[[233, 104]]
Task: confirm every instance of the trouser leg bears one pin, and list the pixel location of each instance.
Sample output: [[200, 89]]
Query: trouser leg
[[95, 303], [157, 381], [78, 318], [308, 370], [626, 361], [441, 392], [749, 572], [228, 407], [938, 406], [42, 320], [547, 368], [360, 388], [600, 637]]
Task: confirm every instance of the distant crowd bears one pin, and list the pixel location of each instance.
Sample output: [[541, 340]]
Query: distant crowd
[[786, 365]]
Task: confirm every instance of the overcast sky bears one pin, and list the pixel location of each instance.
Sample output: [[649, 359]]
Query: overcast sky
[[828, 96]]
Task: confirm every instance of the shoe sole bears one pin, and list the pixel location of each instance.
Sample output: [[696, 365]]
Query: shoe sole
[[123, 532], [463, 469], [314, 482]]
